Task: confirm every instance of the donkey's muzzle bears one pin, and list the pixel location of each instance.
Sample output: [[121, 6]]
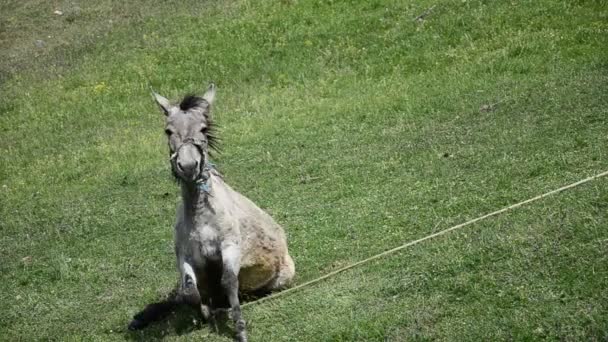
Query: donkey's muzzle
[[187, 161], [188, 169]]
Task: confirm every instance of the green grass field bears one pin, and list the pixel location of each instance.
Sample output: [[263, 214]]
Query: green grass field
[[356, 126]]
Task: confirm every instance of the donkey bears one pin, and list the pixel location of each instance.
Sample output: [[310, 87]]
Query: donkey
[[224, 243]]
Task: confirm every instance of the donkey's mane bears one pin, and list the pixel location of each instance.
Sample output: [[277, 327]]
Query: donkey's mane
[[191, 101]]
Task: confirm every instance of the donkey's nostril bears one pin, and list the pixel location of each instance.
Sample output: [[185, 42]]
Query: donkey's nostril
[[187, 166]]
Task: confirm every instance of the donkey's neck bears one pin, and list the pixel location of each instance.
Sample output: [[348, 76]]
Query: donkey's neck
[[195, 200]]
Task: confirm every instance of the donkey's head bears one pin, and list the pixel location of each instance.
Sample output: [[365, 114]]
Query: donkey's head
[[190, 132]]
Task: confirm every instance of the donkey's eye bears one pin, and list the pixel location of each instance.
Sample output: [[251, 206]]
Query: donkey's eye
[[168, 132], [204, 130]]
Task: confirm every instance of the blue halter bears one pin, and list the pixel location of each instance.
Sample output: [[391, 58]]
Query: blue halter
[[203, 183]]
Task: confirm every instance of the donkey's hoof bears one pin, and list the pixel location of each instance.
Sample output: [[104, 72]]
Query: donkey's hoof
[[241, 333]]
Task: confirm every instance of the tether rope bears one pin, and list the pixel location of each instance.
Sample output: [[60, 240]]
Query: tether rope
[[411, 243]]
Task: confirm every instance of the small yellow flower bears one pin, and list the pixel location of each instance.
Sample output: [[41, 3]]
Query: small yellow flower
[[100, 87]]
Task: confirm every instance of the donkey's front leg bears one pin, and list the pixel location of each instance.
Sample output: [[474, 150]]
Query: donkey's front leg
[[231, 260], [188, 290]]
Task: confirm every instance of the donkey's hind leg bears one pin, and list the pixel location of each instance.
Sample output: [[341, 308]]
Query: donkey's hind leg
[[285, 276]]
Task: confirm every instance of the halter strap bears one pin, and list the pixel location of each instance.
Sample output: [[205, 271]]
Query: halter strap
[[203, 181], [204, 178], [195, 142]]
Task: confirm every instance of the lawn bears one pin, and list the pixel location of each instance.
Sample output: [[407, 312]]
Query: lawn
[[356, 125]]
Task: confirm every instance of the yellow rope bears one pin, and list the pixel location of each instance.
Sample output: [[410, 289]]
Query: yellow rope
[[411, 243]]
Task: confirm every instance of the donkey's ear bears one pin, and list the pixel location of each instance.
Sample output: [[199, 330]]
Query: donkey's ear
[[210, 94], [162, 102]]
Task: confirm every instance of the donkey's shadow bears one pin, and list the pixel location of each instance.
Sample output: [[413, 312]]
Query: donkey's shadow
[[184, 320], [181, 322]]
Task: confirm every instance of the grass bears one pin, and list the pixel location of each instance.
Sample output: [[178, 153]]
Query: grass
[[356, 126]]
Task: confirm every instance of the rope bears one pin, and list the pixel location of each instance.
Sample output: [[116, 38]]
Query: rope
[[411, 243]]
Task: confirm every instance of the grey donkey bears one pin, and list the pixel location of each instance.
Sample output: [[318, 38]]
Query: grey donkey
[[224, 243]]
